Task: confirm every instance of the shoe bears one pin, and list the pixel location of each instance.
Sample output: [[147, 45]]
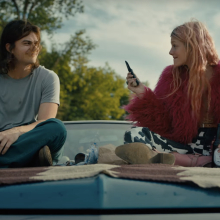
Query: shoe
[[139, 153], [80, 157], [191, 160], [44, 157]]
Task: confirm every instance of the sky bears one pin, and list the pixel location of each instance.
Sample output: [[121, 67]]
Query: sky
[[137, 31]]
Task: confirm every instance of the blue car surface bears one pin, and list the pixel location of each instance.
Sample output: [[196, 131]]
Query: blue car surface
[[102, 196]]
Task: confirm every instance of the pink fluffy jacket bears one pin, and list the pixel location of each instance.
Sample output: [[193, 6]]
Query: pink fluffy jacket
[[171, 117]]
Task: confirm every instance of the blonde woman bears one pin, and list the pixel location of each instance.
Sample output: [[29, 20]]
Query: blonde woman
[[177, 122]]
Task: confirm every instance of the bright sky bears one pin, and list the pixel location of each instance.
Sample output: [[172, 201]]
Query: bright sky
[[138, 31]]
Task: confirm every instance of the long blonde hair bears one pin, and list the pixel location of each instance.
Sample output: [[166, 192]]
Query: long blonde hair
[[201, 52]]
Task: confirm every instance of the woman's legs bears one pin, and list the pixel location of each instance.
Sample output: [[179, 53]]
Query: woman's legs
[[51, 132], [184, 154], [155, 141], [191, 160]]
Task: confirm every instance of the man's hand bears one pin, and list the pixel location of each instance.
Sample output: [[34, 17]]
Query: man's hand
[[7, 138]]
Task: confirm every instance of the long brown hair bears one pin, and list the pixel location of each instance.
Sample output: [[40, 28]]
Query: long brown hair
[[201, 52], [14, 31]]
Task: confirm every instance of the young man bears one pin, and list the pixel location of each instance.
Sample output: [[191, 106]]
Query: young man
[[29, 98]]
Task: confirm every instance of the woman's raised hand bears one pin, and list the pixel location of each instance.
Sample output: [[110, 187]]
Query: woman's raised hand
[[132, 85]]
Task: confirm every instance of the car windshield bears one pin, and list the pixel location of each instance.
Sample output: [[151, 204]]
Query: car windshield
[[80, 136]]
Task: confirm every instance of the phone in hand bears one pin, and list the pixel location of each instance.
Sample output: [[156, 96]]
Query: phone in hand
[[131, 71]]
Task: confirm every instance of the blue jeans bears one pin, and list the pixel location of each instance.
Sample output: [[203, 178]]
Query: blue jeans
[[51, 132]]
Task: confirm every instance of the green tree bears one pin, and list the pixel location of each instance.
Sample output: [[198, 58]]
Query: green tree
[[47, 14], [98, 94], [86, 92]]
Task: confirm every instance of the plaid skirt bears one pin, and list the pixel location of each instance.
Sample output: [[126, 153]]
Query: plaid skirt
[[200, 144]]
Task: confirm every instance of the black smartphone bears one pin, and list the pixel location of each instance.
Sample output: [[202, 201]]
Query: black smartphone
[[131, 71]]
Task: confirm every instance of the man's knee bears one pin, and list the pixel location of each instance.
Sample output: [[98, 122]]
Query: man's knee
[[57, 125], [54, 125]]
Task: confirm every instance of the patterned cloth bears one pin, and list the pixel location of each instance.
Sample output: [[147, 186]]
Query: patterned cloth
[[200, 145]]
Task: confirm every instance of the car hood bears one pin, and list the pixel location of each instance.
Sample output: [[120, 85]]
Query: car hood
[[102, 192]]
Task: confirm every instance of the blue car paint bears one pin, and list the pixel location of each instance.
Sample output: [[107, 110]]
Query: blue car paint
[[104, 192]]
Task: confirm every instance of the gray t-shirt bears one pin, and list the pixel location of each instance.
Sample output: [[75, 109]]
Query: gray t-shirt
[[20, 99]]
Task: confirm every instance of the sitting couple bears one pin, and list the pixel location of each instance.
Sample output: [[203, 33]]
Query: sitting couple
[[176, 122]]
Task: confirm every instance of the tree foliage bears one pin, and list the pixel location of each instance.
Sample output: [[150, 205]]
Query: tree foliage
[[86, 92], [47, 14]]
